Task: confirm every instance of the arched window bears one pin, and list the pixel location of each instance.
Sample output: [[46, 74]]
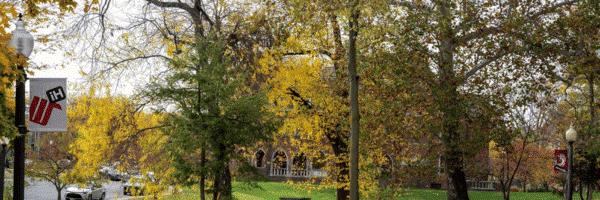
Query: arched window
[[279, 159], [319, 161], [241, 152], [386, 171], [259, 158], [299, 161], [299, 165], [387, 165], [319, 165]]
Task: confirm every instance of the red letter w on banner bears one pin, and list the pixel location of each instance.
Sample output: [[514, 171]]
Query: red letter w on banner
[[40, 110]]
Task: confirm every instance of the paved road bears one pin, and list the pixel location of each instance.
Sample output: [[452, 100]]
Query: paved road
[[41, 190]]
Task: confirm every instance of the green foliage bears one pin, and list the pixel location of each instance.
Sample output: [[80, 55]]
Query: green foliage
[[8, 191], [213, 111]]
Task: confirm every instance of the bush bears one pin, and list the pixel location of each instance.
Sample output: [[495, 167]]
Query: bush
[[515, 189]]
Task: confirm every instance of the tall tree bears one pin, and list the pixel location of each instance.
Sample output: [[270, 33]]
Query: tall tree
[[576, 46], [467, 46], [308, 70], [214, 112], [143, 46]]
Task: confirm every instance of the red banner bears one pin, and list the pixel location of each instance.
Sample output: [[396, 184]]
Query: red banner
[[561, 161]]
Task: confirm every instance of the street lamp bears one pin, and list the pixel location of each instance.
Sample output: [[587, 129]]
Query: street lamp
[[50, 150], [4, 142], [571, 136], [22, 41]]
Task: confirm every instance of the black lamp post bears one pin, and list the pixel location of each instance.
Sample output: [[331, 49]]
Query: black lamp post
[[22, 41], [4, 142], [571, 136]]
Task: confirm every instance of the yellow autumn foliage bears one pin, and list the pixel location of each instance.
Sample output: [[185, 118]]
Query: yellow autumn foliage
[[110, 129], [310, 75]]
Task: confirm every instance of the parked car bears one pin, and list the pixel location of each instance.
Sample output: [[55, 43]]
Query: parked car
[[116, 175], [112, 173], [137, 183], [92, 191]]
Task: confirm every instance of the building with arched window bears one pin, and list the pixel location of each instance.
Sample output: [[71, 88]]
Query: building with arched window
[[422, 167]]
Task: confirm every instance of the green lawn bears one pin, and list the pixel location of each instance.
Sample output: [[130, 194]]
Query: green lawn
[[418, 194], [273, 190], [269, 191]]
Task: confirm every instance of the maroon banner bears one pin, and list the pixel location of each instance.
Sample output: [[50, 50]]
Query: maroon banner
[[561, 161], [48, 105]]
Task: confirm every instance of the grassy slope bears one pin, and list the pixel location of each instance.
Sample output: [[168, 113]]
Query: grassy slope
[[272, 191]]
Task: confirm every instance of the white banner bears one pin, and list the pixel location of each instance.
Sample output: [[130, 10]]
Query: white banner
[[48, 105]]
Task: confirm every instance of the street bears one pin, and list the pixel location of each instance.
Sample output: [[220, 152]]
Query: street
[[41, 190]]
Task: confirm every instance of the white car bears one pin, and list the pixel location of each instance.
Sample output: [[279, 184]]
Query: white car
[[89, 192], [137, 183]]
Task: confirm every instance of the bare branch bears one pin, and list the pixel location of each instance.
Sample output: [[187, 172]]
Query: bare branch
[[479, 33], [115, 64], [483, 64], [567, 81], [299, 98], [306, 52], [198, 7], [150, 128], [163, 4]]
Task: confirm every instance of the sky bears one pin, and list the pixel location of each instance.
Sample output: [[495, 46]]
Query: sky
[[52, 57], [55, 68], [44, 55]]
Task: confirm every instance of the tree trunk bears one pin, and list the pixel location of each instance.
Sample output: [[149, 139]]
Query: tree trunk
[[59, 191], [218, 172], [592, 160], [590, 192], [449, 103], [504, 182], [591, 102], [457, 190], [202, 174], [226, 183], [342, 192], [355, 116], [580, 191], [222, 184], [216, 186], [340, 149], [525, 184]]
